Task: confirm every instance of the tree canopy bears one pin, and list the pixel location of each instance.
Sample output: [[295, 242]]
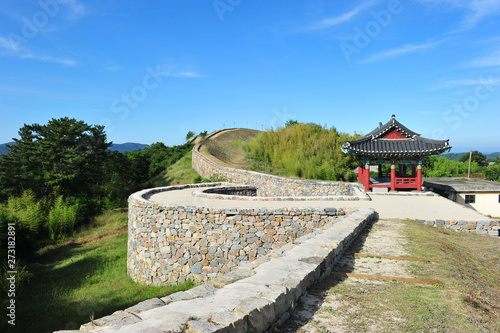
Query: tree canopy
[[63, 157], [476, 157]]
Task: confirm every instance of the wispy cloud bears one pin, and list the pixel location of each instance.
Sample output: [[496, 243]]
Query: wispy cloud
[[405, 49], [465, 83], [76, 10], [8, 45], [476, 10], [332, 21], [65, 62], [487, 61], [187, 74]]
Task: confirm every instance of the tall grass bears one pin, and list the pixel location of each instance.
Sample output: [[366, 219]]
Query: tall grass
[[304, 150]]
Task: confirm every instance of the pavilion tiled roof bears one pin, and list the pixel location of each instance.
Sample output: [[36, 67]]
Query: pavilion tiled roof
[[410, 144]]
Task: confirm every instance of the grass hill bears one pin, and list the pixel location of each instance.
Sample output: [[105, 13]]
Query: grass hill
[[227, 147]]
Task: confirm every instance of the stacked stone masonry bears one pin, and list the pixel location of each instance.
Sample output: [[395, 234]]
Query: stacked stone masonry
[[482, 227], [171, 244], [269, 185], [254, 298]]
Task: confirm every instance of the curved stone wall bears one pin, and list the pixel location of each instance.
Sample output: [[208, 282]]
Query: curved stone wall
[[170, 244], [274, 186]]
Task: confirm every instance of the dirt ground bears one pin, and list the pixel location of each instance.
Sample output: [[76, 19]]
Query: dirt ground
[[321, 311]]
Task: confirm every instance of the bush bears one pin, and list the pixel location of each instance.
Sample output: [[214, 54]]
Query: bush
[[304, 150], [62, 218]]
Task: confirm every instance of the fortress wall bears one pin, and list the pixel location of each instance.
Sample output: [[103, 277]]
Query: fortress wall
[[269, 185], [170, 244]]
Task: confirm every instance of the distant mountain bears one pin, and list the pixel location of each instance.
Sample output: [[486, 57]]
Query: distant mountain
[[3, 148], [121, 147], [456, 156], [128, 146], [492, 156]]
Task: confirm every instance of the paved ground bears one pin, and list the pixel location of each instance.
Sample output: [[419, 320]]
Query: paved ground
[[387, 206]]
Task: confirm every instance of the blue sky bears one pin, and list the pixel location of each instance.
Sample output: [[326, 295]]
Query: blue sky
[[153, 70]]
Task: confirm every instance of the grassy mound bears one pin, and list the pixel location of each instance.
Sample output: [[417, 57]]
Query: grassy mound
[[307, 151], [227, 147]]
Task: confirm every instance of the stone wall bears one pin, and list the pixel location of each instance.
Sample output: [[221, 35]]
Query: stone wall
[[271, 186], [251, 299], [170, 244], [484, 227]]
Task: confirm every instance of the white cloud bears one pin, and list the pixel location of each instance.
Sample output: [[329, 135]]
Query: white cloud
[[77, 9], [487, 61], [476, 10], [188, 74], [9, 45], [65, 62], [405, 49], [465, 83], [332, 21]]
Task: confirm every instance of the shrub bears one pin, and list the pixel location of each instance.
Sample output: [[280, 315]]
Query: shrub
[[62, 218], [304, 150]]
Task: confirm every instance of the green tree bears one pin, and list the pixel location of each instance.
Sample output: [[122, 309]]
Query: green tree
[[476, 156], [64, 157], [189, 135], [291, 122]]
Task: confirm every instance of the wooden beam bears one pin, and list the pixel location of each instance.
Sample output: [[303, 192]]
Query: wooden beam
[[386, 278], [387, 257]]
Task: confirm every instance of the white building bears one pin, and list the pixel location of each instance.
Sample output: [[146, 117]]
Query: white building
[[481, 195]]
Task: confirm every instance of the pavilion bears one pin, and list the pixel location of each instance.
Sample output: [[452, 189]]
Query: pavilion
[[393, 144]]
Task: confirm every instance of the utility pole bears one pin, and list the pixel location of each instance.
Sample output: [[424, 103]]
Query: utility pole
[[470, 160]]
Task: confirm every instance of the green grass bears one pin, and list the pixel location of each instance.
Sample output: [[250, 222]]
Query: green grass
[[227, 147], [83, 277], [304, 150], [467, 300], [179, 173]]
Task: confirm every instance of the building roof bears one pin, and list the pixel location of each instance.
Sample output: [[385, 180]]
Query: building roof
[[462, 184], [394, 140]]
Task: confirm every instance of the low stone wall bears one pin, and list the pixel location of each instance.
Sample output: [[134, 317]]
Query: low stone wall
[[484, 227], [274, 186], [251, 299], [170, 244]]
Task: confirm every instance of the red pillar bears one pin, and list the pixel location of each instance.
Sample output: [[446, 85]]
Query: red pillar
[[360, 174], [393, 177], [419, 177], [367, 177]]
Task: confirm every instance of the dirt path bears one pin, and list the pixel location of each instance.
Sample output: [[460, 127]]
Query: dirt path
[[321, 308]]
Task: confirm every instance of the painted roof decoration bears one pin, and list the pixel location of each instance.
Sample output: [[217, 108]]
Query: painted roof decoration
[[394, 140]]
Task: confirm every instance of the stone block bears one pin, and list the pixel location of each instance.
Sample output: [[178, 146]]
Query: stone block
[[178, 296], [117, 319], [201, 326], [261, 313], [204, 290], [145, 305]]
